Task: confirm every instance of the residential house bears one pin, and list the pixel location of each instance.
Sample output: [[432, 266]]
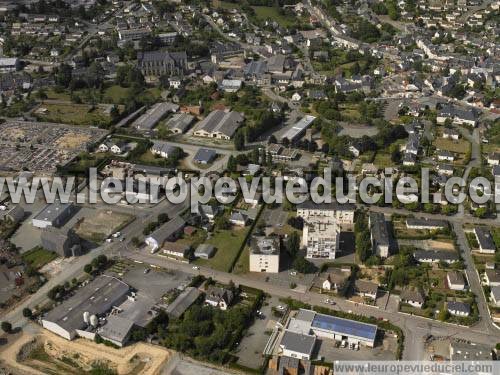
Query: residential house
[[239, 218], [495, 295], [163, 149], [435, 256], [425, 224], [456, 280], [485, 240], [219, 297], [457, 115], [492, 277], [445, 169], [366, 289], [205, 156], [461, 309], [337, 280], [494, 158], [451, 134], [412, 297], [445, 155], [175, 249]]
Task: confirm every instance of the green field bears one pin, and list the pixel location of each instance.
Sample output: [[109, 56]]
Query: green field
[[227, 244], [264, 13], [115, 94], [243, 263], [38, 257], [73, 114]]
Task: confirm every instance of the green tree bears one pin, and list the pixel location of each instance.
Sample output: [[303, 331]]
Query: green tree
[[239, 140], [293, 244], [443, 315], [88, 268], [6, 327], [231, 164], [27, 313], [302, 265]]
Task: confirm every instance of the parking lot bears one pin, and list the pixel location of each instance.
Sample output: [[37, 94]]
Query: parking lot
[[252, 345], [331, 351], [156, 282], [26, 237]]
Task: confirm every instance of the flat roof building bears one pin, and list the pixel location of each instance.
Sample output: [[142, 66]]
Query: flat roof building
[[326, 326], [96, 298], [117, 330], [265, 254], [297, 345], [54, 214]]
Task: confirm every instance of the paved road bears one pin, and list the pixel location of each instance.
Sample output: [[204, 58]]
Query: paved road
[[414, 327], [474, 281]]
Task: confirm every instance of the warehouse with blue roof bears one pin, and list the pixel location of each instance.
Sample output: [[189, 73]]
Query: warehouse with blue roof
[[331, 327]]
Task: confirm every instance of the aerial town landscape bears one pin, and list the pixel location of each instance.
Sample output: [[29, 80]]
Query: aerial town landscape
[[357, 96]]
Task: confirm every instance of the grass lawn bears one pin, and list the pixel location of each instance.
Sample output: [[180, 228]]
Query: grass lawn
[[263, 13], [74, 114], [243, 263], [350, 112], [228, 5], [383, 159], [227, 244], [115, 94], [38, 257], [461, 146], [51, 94], [495, 233]]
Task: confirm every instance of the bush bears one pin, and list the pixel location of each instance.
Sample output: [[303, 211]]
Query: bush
[[27, 313], [6, 327]]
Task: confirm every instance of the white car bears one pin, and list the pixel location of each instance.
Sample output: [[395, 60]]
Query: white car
[[343, 344], [196, 268], [108, 240], [117, 234], [293, 273], [279, 307]]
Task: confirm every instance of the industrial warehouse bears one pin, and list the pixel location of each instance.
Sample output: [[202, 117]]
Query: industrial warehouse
[[325, 326], [107, 307], [81, 311]]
